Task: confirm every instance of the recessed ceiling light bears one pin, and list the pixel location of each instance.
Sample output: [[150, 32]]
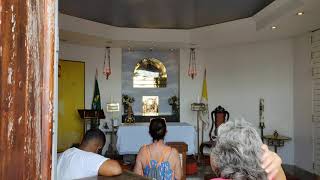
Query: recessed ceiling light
[[300, 13], [274, 27]]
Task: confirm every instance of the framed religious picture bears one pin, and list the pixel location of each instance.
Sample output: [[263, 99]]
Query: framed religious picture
[[150, 105]]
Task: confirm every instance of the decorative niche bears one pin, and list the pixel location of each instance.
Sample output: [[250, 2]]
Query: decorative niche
[[151, 78], [150, 73]]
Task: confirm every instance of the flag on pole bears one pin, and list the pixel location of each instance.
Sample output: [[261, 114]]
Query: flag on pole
[[96, 101], [204, 99]]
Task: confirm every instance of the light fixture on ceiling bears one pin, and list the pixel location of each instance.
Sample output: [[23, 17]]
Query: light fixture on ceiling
[[274, 27], [300, 13]]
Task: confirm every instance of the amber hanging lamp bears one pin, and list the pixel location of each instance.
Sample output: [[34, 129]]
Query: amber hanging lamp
[[192, 71], [106, 63]]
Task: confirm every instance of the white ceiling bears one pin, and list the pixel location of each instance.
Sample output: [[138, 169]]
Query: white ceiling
[[281, 13]]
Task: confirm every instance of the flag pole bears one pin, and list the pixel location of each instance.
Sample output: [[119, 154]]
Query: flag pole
[[202, 129], [198, 115], [204, 100]]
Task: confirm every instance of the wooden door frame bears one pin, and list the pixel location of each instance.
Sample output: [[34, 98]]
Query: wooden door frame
[[28, 63]]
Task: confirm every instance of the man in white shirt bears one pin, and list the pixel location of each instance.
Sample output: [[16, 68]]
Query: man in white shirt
[[76, 163]]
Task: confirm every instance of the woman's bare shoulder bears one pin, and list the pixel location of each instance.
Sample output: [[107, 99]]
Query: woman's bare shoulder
[[174, 154], [143, 149], [174, 151]]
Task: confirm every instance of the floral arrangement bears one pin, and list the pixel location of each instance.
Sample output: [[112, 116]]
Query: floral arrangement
[[173, 100], [127, 100]]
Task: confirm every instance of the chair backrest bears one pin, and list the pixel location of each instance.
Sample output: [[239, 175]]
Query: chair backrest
[[218, 117]]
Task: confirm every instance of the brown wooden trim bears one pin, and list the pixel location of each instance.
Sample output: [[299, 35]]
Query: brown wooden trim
[[27, 56], [49, 14]]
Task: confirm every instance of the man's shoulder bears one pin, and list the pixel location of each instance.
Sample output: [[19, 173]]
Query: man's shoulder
[[74, 152], [73, 149], [78, 152], [76, 163], [70, 151]]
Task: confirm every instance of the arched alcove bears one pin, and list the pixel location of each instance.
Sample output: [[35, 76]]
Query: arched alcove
[[150, 73]]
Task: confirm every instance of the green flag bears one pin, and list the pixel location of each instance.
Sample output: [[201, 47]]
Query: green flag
[[96, 101]]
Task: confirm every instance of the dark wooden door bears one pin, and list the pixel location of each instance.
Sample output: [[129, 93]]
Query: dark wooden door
[[27, 58]]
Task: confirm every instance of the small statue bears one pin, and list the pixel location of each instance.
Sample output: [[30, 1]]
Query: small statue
[[126, 102], [275, 134], [130, 118], [174, 103]]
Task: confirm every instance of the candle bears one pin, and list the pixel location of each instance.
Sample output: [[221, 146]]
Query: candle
[[261, 110]]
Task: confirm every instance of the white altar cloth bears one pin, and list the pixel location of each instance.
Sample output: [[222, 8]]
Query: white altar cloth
[[131, 137]]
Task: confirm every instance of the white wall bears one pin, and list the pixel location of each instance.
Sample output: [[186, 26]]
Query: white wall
[[93, 58], [238, 76], [302, 97], [190, 90]]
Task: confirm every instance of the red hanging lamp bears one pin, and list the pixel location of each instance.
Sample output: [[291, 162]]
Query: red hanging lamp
[[192, 71], [106, 63]]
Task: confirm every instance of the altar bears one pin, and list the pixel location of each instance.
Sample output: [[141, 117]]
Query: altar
[[131, 137]]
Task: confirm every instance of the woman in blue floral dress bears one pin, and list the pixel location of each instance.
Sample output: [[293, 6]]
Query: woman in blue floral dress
[[157, 160]]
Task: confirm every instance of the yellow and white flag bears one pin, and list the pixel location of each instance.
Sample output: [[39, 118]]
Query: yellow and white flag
[[204, 99]]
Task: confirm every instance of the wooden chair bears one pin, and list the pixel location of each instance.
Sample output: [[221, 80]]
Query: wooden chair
[[182, 149], [218, 117]]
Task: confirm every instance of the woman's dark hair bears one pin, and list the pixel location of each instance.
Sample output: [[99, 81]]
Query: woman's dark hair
[[157, 129]]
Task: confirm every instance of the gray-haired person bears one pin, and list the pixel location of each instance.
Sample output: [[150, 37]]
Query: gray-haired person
[[239, 154]]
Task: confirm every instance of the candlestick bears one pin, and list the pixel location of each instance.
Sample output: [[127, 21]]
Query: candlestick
[[261, 110], [261, 117], [261, 126]]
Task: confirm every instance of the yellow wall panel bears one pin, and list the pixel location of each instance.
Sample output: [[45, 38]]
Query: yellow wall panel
[[71, 98]]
